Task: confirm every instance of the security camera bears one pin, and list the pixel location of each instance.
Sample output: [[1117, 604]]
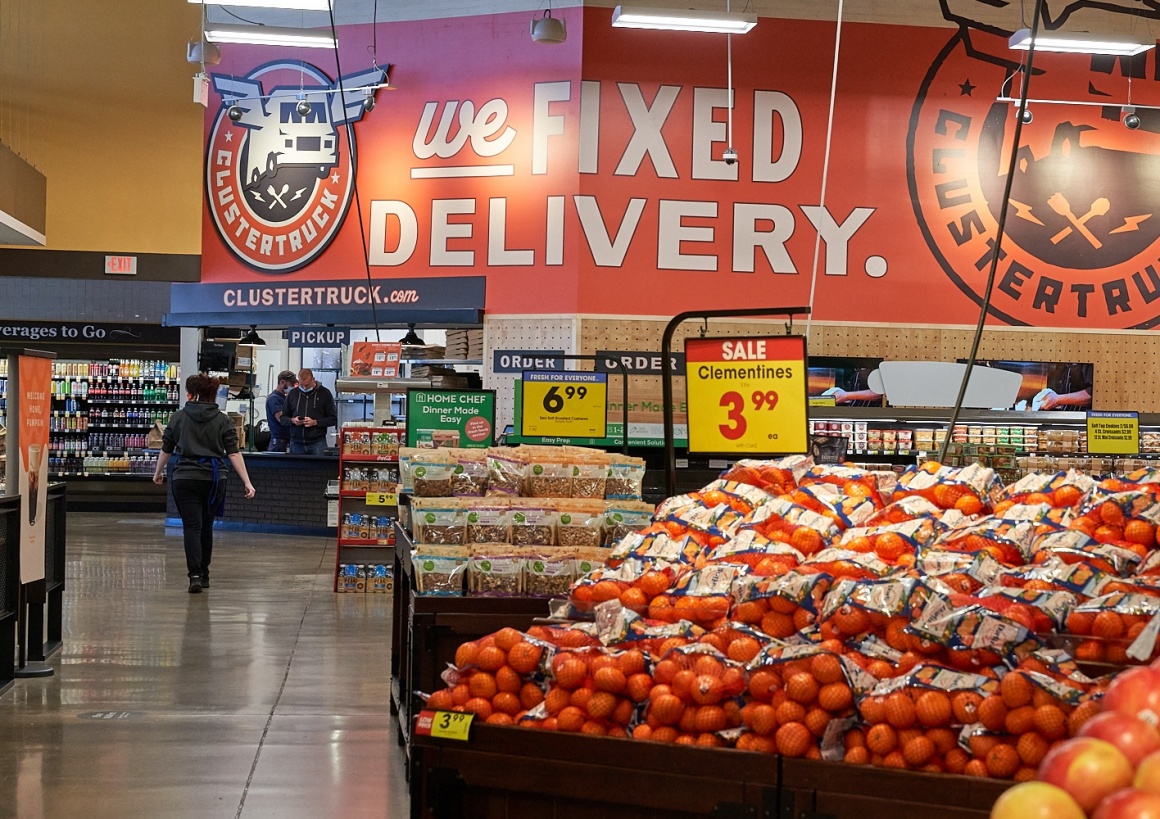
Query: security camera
[[730, 156], [1131, 118], [1026, 116], [368, 100], [303, 107], [235, 112]]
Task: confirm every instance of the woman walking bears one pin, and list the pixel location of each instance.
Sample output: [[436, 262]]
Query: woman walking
[[203, 438]]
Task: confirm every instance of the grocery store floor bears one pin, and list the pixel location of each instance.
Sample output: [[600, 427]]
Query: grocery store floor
[[265, 696]]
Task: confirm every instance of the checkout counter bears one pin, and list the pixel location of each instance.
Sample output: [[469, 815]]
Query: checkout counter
[[291, 495]]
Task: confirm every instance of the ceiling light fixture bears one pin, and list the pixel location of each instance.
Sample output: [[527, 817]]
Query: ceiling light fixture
[[252, 337], [298, 5], [412, 338], [235, 112], [728, 22], [1067, 42], [548, 29], [268, 35], [303, 106]]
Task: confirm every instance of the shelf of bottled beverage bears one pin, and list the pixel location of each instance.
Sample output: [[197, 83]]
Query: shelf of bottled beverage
[[102, 412]]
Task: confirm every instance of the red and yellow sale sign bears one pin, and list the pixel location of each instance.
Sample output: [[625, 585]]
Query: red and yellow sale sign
[[747, 396], [34, 397]]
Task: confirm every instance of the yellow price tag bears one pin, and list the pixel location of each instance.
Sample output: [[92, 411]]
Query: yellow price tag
[[565, 404], [452, 725], [1113, 433], [382, 499], [747, 395]]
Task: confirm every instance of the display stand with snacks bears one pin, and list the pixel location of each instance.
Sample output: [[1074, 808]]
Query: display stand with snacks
[[479, 549], [368, 470]]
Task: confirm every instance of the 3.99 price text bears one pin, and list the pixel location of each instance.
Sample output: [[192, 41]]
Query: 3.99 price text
[[735, 403]]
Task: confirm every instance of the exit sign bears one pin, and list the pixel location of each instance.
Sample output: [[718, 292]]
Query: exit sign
[[120, 265]]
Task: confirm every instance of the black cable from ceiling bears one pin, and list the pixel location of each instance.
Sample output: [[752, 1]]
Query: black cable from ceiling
[[996, 253], [354, 172]]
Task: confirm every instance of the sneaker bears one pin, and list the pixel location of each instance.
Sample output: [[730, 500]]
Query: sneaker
[[195, 585], [205, 580]]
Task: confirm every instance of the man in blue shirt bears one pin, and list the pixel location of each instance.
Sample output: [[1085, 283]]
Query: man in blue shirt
[[275, 402]]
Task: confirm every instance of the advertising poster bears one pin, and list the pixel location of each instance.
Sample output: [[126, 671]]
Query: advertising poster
[[450, 418], [34, 382], [375, 359], [565, 174]]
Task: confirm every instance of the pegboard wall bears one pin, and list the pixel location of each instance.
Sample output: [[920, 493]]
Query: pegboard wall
[[1124, 361], [521, 333]]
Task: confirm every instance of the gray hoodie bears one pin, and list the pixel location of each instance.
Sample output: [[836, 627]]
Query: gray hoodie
[[198, 433]]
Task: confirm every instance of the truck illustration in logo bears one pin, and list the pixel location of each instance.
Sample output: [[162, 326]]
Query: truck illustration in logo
[[280, 135], [280, 162]]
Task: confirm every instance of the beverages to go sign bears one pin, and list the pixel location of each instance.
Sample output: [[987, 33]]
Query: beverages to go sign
[[747, 396]]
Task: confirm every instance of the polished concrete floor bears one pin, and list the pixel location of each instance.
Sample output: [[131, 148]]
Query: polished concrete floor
[[264, 696]]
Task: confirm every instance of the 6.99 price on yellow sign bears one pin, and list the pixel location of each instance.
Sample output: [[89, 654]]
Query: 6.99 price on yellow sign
[[565, 404], [747, 396]]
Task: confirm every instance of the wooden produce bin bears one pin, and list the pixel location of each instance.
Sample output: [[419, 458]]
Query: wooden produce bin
[[835, 790], [512, 773], [426, 631]]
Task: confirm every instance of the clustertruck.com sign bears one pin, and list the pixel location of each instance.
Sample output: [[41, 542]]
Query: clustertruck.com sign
[[450, 418]]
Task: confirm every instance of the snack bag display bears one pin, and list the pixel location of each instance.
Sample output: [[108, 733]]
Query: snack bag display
[[624, 517]]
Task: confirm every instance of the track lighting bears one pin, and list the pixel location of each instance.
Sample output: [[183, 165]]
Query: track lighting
[[235, 112], [1068, 42], [1131, 118]]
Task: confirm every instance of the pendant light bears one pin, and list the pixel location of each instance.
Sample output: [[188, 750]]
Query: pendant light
[[253, 338], [412, 339]]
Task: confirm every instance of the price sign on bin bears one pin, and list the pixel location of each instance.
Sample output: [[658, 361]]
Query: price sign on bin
[[565, 404], [747, 396]]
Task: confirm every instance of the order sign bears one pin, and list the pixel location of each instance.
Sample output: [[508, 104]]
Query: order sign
[[747, 395], [565, 404]]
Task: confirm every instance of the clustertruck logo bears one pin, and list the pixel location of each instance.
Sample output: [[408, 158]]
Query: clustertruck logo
[[1082, 241], [280, 176]]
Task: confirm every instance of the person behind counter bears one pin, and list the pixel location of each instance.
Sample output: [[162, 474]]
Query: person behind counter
[[275, 401], [203, 438], [309, 411]]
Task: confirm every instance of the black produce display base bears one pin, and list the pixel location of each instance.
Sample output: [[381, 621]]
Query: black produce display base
[[33, 670]]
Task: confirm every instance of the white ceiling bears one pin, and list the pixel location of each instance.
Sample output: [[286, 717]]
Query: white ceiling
[[1105, 16]]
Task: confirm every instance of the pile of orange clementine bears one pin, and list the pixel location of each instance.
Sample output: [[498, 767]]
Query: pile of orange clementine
[[793, 611]]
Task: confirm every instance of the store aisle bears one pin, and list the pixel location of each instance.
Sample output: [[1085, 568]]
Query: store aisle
[[265, 696]]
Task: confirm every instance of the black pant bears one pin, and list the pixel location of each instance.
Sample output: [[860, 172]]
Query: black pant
[[192, 499]]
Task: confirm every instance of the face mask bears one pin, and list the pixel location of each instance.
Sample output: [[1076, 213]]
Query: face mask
[[305, 390]]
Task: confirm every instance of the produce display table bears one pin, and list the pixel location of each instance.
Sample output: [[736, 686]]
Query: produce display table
[[426, 631], [821, 790], [514, 773], [522, 774]]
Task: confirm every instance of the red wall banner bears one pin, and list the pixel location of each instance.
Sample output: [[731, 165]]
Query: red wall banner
[[588, 177]]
